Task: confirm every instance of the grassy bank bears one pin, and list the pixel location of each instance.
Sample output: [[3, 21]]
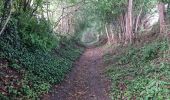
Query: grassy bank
[[141, 73], [32, 59]]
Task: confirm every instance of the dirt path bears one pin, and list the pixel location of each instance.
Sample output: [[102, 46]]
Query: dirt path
[[86, 81]]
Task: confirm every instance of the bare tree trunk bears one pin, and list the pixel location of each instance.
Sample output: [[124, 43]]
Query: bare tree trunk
[[8, 18], [130, 23], [107, 33], [138, 19], [68, 31], [47, 2], [161, 8], [127, 28], [111, 31], [123, 26]]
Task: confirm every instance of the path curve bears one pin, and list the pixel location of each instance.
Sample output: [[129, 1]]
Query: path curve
[[86, 81]]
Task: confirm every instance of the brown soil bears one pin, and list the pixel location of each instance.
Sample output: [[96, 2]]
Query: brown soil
[[86, 81]]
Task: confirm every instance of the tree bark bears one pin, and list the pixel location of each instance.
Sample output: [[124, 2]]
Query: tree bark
[[129, 22], [107, 33], [130, 8], [123, 26], [161, 8], [138, 18]]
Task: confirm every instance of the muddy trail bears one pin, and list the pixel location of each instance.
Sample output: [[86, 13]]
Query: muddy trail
[[86, 81]]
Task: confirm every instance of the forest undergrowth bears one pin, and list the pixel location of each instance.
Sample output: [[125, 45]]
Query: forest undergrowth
[[32, 58], [140, 72]]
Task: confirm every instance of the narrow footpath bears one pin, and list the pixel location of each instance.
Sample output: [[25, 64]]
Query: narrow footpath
[[87, 80]]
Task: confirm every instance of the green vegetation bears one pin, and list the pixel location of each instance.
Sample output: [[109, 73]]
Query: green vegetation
[[142, 73], [36, 55], [41, 68], [39, 43]]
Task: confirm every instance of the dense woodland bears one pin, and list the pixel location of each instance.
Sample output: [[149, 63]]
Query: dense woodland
[[40, 40]]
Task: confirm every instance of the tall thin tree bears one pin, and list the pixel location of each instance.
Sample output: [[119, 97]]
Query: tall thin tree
[[161, 9]]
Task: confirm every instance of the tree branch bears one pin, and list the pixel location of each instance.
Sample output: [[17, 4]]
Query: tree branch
[[7, 20]]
